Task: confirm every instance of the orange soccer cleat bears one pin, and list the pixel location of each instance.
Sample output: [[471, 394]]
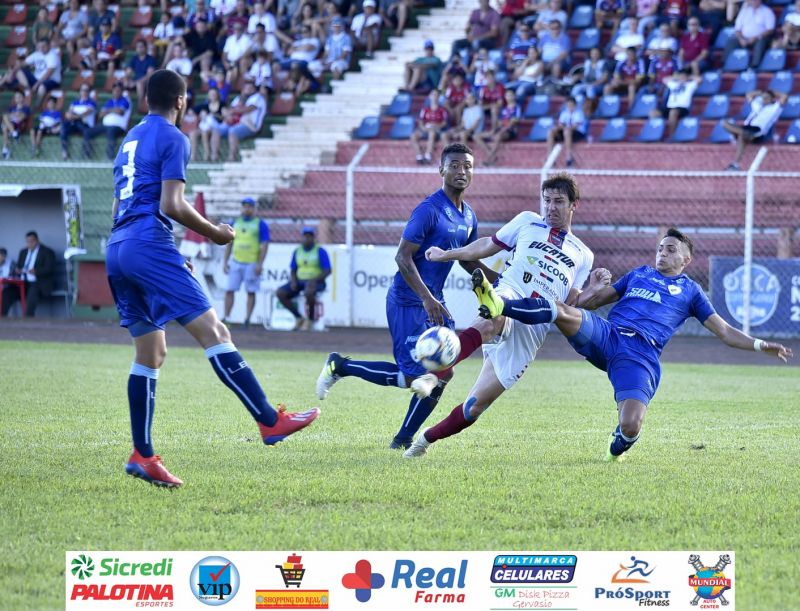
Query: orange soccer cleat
[[288, 423], [151, 470]]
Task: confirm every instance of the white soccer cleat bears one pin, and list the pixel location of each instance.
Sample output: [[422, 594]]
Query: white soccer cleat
[[424, 385], [419, 447], [328, 376]]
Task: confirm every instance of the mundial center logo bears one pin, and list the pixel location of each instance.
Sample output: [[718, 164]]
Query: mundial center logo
[[534, 568], [129, 580]]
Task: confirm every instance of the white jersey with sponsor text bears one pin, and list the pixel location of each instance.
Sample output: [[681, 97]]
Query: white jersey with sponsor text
[[545, 261]]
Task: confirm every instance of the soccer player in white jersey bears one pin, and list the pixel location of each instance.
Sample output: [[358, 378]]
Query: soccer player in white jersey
[[547, 260]]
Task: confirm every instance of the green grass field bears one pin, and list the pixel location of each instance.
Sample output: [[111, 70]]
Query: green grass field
[[529, 476]]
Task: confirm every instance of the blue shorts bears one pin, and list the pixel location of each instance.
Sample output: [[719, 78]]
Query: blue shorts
[[301, 288], [628, 358], [151, 285], [406, 324]]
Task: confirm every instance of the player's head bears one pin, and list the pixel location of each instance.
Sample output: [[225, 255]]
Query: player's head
[[308, 236], [456, 166], [31, 240], [166, 94], [674, 253], [248, 207], [560, 195]]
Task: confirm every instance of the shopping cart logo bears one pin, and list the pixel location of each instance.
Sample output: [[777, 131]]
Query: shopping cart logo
[[292, 571]]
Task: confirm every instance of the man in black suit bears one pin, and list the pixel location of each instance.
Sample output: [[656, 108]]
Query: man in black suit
[[36, 265]]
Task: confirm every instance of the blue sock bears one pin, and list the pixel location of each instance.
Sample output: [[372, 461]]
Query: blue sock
[[621, 444], [532, 310], [381, 373], [142, 404], [236, 374], [418, 412]]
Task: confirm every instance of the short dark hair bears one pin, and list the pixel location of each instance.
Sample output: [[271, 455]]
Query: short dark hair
[[3, 251], [456, 148], [32, 234], [162, 89], [681, 237], [565, 183]]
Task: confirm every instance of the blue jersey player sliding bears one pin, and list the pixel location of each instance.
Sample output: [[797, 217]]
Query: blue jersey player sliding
[[152, 285], [415, 301], [652, 303]]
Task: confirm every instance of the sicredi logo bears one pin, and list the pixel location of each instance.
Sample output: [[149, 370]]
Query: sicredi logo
[[214, 580], [537, 568], [83, 567]]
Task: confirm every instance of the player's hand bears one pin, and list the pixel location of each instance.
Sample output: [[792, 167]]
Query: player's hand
[[223, 233], [778, 350], [436, 254], [600, 277], [436, 311]]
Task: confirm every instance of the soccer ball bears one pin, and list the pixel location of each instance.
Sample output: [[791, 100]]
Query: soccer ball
[[437, 348]]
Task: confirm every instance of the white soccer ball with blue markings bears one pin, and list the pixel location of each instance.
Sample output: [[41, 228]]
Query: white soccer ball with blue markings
[[437, 348]]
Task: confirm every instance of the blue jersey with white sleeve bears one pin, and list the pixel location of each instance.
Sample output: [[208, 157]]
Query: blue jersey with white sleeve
[[434, 222], [655, 306], [153, 151]]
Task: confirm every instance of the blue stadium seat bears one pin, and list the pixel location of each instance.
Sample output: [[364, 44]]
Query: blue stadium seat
[[738, 60], [791, 110], [497, 58], [540, 129], [723, 36], [687, 130], [773, 60], [710, 84], [717, 107], [652, 131], [587, 39], [582, 17], [538, 106], [403, 128], [401, 105], [744, 83], [719, 135], [745, 110], [643, 105], [778, 2], [793, 135], [608, 107], [614, 131], [369, 128], [782, 82], [787, 11]]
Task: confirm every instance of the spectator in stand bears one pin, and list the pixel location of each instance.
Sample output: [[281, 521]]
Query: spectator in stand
[[202, 11], [480, 68], [302, 53], [425, 71], [49, 124], [260, 15], [628, 75], [218, 80], [338, 49], [609, 12], [646, 15], [675, 13], [506, 129], [555, 46], [260, 73], [6, 264], [240, 15], [202, 45], [712, 15], [518, 46], [765, 110], [99, 13], [455, 97], [246, 116], [471, 123], [46, 73], [114, 117], [628, 37], [236, 46], [36, 265], [492, 98], [595, 77], [79, 118], [528, 76], [553, 12], [107, 46], [662, 40], [180, 61], [139, 69], [483, 30], [571, 127], [366, 28], [42, 28], [755, 25], [309, 267], [693, 52], [163, 34], [15, 121], [286, 10], [211, 117], [662, 67], [790, 31], [431, 124], [307, 16], [681, 87], [394, 14], [72, 25], [266, 42], [222, 8], [453, 67], [512, 12]]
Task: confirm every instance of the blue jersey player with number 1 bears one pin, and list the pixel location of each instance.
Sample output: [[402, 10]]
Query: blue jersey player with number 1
[[152, 284], [415, 300], [652, 303]]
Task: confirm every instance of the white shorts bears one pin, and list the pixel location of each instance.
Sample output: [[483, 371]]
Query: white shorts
[[512, 352], [242, 272]]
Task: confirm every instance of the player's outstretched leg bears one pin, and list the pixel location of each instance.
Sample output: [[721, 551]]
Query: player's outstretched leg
[[491, 305], [631, 415], [419, 409], [382, 373]]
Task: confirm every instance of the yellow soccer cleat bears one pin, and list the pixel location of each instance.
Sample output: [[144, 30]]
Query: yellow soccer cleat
[[491, 306], [609, 456]]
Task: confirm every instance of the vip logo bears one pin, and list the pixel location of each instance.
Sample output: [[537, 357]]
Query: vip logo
[[82, 566], [710, 583], [214, 580], [363, 581], [637, 567], [527, 277]]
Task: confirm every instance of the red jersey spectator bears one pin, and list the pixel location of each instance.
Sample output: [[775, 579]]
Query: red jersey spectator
[[511, 12], [455, 96], [431, 124], [628, 74], [693, 52], [506, 129], [675, 12], [662, 66], [491, 98]]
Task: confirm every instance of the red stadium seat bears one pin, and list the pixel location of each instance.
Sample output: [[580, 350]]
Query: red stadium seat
[[142, 17], [17, 37], [145, 34], [84, 76], [117, 76], [16, 15], [283, 104]]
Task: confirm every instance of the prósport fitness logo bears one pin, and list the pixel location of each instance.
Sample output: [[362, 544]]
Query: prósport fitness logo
[[214, 581], [82, 566], [709, 582], [635, 572], [538, 568]]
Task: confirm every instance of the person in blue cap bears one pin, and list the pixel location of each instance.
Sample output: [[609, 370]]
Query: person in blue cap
[[425, 71], [249, 249], [309, 267]]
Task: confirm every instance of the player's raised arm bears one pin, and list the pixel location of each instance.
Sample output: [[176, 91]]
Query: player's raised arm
[[479, 249], [599, 293], [408, 269], [736, 339], [174, 205]]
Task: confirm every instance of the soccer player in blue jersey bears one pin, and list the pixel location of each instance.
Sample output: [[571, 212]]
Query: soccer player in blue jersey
[[652, 303], [415, 300], [152, 284]]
